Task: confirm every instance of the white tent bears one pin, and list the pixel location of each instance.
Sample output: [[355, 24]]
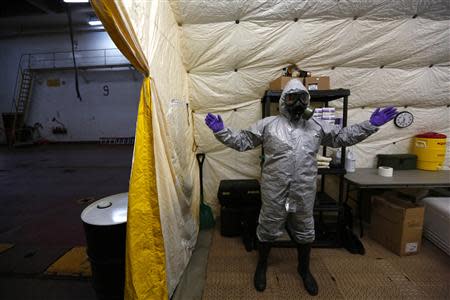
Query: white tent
[[220, 56]]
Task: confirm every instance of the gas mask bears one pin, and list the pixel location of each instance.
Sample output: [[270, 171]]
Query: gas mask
[[297, 106]]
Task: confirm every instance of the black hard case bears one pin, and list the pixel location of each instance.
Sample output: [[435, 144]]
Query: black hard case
[[397, 161], [239, 193]]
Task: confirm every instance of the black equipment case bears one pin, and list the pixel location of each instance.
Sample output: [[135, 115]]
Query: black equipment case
[[240, 204], [239, 193], [397, 161], [230, 221]]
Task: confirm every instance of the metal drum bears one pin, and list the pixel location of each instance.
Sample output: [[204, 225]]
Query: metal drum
[[105, 223]]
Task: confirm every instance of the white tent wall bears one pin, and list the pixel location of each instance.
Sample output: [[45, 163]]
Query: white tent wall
[[220, 56], [177, 171], [385, 52]]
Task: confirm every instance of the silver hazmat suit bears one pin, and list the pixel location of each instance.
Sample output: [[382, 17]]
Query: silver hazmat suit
[[289, 171]]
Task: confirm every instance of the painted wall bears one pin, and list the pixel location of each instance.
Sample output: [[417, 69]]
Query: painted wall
[[94, 117], [108, 107]]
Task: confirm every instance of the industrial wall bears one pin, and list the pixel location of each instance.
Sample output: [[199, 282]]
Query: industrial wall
[[109, 96], [108, 107]]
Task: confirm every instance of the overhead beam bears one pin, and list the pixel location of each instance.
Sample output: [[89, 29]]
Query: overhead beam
[[48, 6]]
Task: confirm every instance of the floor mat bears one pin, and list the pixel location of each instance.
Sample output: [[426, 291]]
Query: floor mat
[[74, 263], [379, 274]]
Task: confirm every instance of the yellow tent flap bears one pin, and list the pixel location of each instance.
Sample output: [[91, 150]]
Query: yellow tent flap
[[145, 257]]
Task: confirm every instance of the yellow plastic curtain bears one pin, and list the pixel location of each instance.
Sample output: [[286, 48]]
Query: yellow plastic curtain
[[145, 258]]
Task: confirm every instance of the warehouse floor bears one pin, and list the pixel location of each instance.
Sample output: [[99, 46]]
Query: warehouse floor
[[45, 188], [43, 191]]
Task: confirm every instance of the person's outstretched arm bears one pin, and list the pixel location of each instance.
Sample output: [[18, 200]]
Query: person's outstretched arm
[[333, 136], [240, 140]]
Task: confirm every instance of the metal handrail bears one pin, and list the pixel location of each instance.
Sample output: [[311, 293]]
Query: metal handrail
[[63, 60], [17, 84], [85, 58]]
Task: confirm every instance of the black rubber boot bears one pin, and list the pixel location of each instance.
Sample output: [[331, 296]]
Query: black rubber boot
[[304, 251], [260, 274]]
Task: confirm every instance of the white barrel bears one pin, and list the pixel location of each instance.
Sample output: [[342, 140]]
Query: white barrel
[[111, 210]]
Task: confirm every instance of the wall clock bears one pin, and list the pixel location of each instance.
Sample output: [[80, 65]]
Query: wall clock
[[403, 119]]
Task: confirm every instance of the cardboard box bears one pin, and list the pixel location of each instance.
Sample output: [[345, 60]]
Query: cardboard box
[[397, 224], [317, 83], [279, 83], [311, 83]]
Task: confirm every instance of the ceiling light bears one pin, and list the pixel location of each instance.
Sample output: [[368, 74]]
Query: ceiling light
[[94, 21], [76, 1]]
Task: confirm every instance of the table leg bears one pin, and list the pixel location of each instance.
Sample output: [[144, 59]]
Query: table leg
[[347, 192], [358, 201]]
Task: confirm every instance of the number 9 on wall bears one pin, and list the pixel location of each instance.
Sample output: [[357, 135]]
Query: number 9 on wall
[[105, 90]]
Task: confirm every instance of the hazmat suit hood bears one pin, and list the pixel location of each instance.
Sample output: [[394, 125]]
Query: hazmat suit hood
[[294, 86]]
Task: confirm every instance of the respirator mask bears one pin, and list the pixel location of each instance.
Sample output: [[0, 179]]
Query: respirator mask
[[297, 106]]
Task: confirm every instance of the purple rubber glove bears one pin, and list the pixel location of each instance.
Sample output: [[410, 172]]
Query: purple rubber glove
[[214, 123], [380, 117]]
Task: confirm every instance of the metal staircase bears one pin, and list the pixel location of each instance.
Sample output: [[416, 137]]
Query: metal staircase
[[23, 99], [24, 86]]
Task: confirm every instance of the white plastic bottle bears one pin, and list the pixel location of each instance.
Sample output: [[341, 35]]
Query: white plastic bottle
[[350, 161], [337, 156]]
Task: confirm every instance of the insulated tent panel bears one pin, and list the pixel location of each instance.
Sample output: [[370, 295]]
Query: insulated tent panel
[[385, 52], [220, 56], [177, 173]]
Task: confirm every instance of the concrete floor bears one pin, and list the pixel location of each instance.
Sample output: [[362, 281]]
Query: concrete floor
[[43, 192], [47, 185]]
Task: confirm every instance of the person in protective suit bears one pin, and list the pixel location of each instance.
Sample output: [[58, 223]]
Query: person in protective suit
[[291, 141]]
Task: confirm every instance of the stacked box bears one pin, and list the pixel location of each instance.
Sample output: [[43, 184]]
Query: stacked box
[[397, 224], [279, 83], [327, 114], [318, 113], [329, 120], [315, 83]]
